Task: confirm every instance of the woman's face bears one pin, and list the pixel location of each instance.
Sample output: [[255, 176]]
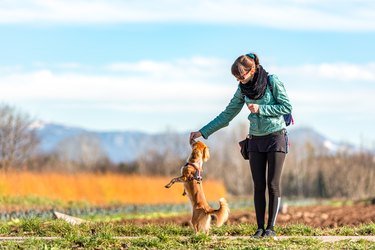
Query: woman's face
[[248, 75]]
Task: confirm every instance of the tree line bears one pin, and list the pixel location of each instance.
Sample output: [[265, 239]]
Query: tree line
[[308, 172]]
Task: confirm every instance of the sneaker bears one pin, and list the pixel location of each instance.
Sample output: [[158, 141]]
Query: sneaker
[[269, 233], [259, 233]]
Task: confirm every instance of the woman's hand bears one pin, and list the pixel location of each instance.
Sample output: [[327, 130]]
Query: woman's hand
[[194, 135], [254, 108]]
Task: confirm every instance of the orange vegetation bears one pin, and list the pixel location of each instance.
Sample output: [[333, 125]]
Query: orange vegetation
[[101, 189]]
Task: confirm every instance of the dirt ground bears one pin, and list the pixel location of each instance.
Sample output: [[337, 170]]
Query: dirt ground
[[315, 216]]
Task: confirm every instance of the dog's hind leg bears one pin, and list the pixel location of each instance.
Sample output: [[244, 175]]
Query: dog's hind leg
[[203, 224], [207, 224], [194, 225]]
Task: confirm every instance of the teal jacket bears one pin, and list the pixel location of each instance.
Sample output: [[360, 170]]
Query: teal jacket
[[272, 107]]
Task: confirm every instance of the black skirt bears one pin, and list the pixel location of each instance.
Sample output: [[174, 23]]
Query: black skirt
[[275, 142]]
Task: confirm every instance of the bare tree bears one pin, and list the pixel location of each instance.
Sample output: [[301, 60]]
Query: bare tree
[[226, 162], [166, 158], [17, 139], [81, 152]]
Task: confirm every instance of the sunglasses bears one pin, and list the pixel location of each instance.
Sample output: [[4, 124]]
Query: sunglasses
[[242, 77]]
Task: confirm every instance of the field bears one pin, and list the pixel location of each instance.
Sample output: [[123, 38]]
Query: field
[[174, 233], [317, 216], [99, 189], [169, 230], [120, 214]]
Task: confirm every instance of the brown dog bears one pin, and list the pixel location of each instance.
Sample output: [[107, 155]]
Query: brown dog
[[190, 176]]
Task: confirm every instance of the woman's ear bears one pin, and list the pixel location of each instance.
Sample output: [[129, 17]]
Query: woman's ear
[[206, 154]]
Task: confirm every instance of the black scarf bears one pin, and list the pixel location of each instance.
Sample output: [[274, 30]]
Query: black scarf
[[256, 88]]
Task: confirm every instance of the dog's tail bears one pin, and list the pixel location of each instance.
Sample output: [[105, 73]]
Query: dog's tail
[[222, 213]]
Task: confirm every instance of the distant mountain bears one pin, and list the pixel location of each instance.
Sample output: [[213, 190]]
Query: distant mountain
[[50, 134], [126, 146], [300, 136], [123, 146]]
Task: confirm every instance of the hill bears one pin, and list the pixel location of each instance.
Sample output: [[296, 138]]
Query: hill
[[126, 146]]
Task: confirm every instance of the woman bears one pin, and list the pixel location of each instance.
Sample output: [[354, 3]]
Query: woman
[[268, 144]]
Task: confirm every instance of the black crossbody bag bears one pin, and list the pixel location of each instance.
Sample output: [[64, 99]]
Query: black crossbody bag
[[244, 144]]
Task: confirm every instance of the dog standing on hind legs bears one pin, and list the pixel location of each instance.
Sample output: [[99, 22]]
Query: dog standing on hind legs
[[190, 176]]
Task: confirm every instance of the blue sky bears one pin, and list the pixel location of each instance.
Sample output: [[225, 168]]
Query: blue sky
[[152, 66]]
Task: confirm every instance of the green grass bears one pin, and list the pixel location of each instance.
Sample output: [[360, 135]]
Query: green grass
[[121, 216], [101, 235], [41, 227], [37, 201], [192, 242]]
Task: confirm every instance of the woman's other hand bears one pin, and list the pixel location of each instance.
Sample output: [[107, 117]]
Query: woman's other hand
[[254, 108]]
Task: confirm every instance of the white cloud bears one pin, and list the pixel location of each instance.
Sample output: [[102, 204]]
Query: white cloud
[[179, 69], [195, 79], [145, 82], [172, 106], [143, 66], [70, 66], [331, 71], [10, 69], [329, 88], [288, 14]]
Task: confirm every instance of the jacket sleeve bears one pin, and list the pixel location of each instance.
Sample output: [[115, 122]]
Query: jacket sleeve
[[222, 120], [282, 105]]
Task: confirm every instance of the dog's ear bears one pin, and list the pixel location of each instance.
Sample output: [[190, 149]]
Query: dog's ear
[[206, 154]]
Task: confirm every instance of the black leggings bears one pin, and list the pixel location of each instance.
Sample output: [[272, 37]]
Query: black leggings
[[258, 164]]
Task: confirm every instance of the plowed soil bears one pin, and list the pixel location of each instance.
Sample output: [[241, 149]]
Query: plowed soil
[[315, 216]]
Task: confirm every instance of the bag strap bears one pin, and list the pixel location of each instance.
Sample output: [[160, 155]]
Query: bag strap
[[271, 89], [270, 85]]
